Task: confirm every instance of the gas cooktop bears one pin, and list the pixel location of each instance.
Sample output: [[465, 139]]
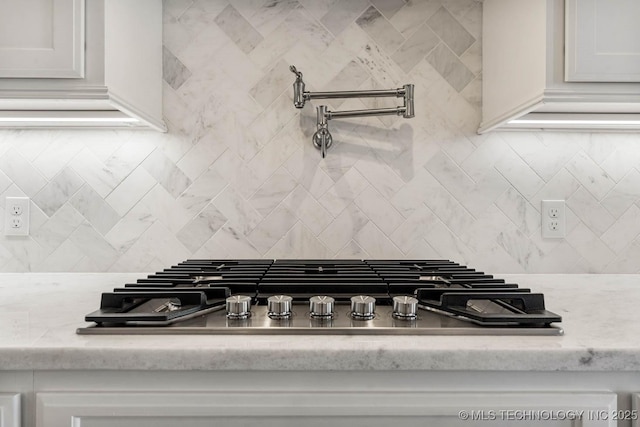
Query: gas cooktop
[[382, 297]]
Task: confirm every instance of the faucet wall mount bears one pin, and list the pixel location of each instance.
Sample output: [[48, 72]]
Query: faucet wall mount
[[322, 139]]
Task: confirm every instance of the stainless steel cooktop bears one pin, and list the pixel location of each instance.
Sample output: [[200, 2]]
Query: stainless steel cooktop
[[349, 297]]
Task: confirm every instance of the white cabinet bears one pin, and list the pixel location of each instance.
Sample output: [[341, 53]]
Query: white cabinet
[[10, 410], [602, 41], [76, 63], [635, 406], [356, 408], [42, 38], [524, 71]]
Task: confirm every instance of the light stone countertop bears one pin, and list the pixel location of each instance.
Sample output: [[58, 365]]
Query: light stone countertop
[[40, 312]]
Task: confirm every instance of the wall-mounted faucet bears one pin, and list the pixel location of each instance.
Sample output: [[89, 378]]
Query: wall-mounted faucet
[[322, 137]]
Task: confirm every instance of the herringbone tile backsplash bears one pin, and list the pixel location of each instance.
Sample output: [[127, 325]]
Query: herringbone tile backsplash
[[237, 175]]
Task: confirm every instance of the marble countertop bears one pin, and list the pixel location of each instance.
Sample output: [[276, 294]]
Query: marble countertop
[[40, 312]]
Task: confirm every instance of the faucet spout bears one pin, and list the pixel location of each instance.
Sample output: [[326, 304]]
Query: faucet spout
[[322, 139]]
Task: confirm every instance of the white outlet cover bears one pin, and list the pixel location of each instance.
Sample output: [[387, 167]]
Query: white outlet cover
[[16, 204], [553, 226]]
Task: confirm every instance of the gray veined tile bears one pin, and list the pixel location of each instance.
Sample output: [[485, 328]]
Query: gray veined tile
[[23, 254], [93, 207], [200, 15], [246, 7], [308, 210], [343, 228], [482, 235], [238, 29], [127, 231], [174, 72], [627, 261], [5, 182], [590, 211], [450, 67], [380, 30], [472, 58], [233, 205], [270, 14], [201, 228], [94, 246], [202, 191], [519, 210], [58, 191], [380, 65], [273, 192], [299, 242], [156, 243], [56, 156], [162, 206], [409, 234], [271, 229], [623, 231], [166, 173], [175, 8], [204, 153], [450, 175], [237, 173], [95, 172], [308, 30], [274, 82], [523, 250], [451, 31], [473, 92], [594, 178], [130, 191], [233, 242], [63, 259], [58, 228], [380, 176], [376, 243], [590, 247], [519, 174], [352, 251], [415, 48], [624, 194], [389, 7], [317, 8], [415, 12], [337, 19], [379, 210], [20, 171], [343, 192], [273, 47]]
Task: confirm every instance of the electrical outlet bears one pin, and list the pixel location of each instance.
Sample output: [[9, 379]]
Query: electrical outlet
[[16, 216], [553, 219]]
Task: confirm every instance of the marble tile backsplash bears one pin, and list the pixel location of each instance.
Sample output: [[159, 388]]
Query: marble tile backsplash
[[237, 175]]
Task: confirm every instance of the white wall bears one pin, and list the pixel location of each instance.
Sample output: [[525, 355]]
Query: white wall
[[237, 175]]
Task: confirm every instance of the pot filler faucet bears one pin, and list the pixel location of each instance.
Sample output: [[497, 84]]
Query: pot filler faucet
[[322, 138]]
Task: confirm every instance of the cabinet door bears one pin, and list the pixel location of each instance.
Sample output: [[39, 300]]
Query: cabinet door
[[602, 41], [322, 409], [42, 38], [9, 410]]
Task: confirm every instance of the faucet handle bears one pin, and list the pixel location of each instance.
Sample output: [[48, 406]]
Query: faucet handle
[[296, 72]]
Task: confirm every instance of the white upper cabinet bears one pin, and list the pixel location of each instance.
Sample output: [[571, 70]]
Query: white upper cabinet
[[542, 72], [602, 41], [77, 63], [42, 38]]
